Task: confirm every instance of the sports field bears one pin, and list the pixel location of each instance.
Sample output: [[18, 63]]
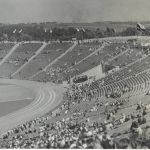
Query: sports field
[[13, 98]]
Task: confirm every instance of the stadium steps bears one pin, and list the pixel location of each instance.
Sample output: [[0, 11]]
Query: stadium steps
[[54, 61], [30, 59], [88, 56], [21, 54], [13, 49], [49, 53]]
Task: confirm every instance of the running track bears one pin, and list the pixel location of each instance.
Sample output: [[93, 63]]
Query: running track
[[48, 97]]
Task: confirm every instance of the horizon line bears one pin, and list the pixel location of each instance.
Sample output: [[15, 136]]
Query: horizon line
[[57, 22]]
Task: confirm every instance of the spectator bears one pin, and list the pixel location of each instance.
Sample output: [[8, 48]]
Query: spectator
[[123, 143]]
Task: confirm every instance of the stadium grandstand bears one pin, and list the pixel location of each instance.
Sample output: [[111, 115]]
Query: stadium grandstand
[[74, 85], [109, 111]]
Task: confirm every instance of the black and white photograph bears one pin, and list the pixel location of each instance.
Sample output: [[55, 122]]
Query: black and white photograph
[[74, 74]]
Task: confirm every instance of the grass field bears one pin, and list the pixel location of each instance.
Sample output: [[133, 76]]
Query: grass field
[[13, 98]]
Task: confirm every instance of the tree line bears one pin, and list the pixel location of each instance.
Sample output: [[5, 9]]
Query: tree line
[[39, 33]]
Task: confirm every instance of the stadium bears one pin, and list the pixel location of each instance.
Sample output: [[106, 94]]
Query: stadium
[[39, 102], [75, 85]]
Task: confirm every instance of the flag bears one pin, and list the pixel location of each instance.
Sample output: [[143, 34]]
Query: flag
[[14, 31], [51, 31], [83, 29], [77, 29], [140, 27], [20, 31]]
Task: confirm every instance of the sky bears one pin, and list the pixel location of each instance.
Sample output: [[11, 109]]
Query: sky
[[24, 11]]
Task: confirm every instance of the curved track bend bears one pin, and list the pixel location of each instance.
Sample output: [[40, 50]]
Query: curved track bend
[[47, 97]]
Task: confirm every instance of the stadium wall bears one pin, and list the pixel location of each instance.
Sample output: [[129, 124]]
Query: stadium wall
[[96, 71]]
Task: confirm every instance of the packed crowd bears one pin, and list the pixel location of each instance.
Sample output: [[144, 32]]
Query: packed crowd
[[88, 54], [84, 121]]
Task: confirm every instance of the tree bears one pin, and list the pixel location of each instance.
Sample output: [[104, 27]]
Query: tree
[[99, 33], [129, 32], [71, 31], [110, 31], [25, 37]]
